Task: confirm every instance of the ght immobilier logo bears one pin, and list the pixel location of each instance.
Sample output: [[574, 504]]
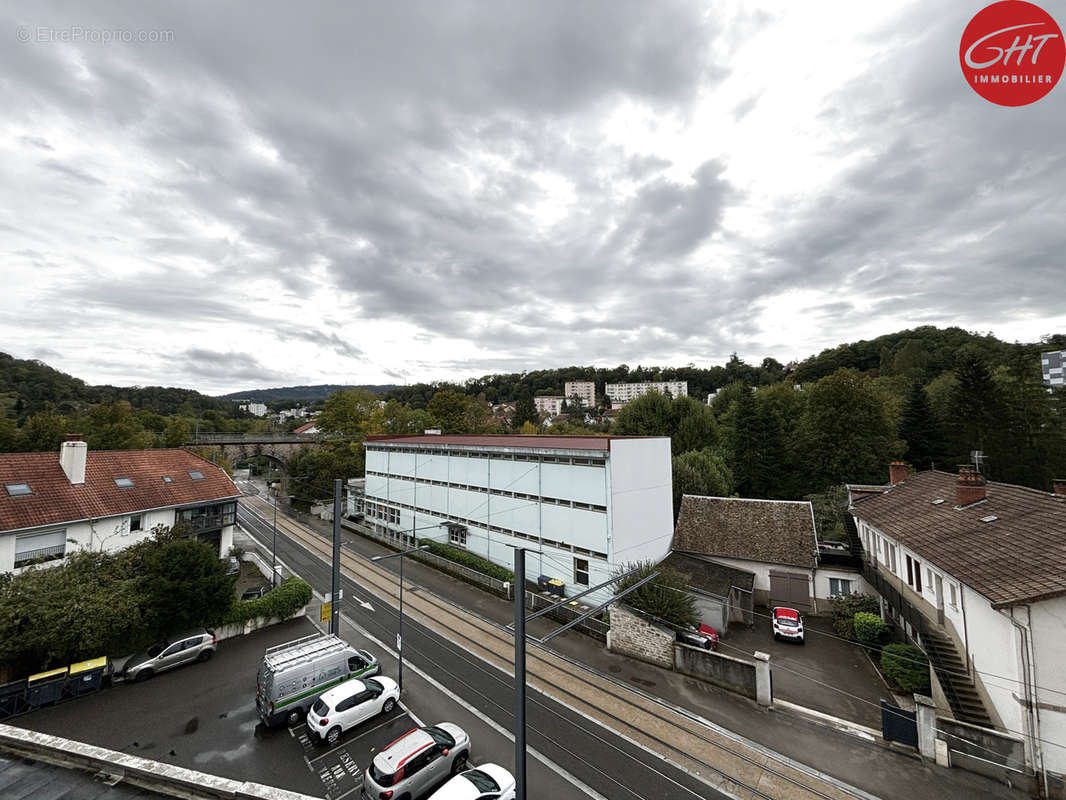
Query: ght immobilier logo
[[1012, 53]]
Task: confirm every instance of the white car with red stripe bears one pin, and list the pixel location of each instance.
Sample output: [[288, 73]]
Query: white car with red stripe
[[787, 624]]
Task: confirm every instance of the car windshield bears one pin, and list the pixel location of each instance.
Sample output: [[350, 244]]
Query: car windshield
[[373, 686], [441, 737], [787, 622], [382, 778], [155, 649], [482, 781], [320, 708]]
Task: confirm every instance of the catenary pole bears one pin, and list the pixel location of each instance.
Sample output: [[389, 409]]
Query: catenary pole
[[520, 673], [335, 591]]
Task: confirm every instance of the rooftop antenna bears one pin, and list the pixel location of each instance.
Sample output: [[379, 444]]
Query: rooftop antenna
[[977, 457]]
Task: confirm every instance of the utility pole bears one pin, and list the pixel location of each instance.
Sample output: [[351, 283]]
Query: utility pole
[[335, 593], [520, 673], [399, 635], [274, 547]]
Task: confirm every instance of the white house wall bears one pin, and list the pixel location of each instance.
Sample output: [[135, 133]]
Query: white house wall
[[641, 507], [1047, 620], [823, 574]]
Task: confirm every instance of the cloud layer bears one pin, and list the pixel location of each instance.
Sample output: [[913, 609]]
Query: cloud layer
[[403, 192]]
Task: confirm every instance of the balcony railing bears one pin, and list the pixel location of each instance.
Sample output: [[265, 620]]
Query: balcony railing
[[40, 554]]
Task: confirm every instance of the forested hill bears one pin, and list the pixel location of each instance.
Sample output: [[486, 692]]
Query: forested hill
[[28, 386], [302, 395], [923, 353]]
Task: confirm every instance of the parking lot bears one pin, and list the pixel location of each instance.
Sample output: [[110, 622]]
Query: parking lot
[[202, 716], [826, 673]]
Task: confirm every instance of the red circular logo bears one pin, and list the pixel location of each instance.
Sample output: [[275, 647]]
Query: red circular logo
[[1012, 53]]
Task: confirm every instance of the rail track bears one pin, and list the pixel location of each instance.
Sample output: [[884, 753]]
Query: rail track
[[724, 763]]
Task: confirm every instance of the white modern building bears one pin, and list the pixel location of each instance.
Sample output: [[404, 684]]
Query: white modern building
[[53, 504], [585, 391], [550, 405], [621, 393], [972, 570], [1051, 365], [588, 504], [258, 409]]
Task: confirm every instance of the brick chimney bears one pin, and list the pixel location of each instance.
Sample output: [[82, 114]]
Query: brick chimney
[[971, 486], [897, 471], [1060, 486], [72, 458]]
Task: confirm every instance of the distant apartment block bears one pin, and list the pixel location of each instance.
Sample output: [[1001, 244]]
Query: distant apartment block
[[258, 409], [621, 393], [585, 391], [550, 405], [1051, 365]]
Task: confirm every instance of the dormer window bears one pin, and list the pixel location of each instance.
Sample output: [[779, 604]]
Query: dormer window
[[124, 483], [18, 489], [196, 475]]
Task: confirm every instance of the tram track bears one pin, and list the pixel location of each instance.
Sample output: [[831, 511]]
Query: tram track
[[722, 762]]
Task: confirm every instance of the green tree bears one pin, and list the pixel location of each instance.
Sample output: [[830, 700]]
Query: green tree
[[921, 430], [665, 598], [847, 433], [177, 432], [829, 508], [8, 435], [401, 418], [648, 415], [348, 413], [700, 472], [525, 411], [114, 426], [45, 430], [754, 443], [976, 406], [451, 410], [693, 425]]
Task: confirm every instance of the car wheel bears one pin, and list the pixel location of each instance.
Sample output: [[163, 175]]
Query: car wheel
[[390, 704], [295, 716], [205, 655], [333, 735], [459, 764], [144, 675]]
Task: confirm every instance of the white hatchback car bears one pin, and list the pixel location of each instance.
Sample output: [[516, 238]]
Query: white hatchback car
[[487, 782], [349, 704]]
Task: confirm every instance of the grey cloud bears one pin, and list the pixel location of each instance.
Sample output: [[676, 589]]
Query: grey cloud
[[218, 366], [71, 172], [329, 341], [36, 141]]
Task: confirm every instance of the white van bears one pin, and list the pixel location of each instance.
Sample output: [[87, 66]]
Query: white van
[[293, 675]]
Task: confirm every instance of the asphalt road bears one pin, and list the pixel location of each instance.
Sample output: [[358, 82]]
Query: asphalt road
[[603, 762]]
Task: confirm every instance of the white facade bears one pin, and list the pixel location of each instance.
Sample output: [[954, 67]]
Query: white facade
[[621, 393], [101, 535], [585, 391], [1051, 366], [588, 510], [258, 409], [1012, 652], [550, 405]]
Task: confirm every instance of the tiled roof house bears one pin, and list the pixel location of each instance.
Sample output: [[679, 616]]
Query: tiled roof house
[[974, 571], [774, 539], [53, 503]]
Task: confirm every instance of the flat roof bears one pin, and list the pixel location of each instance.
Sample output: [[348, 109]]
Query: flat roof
[[529, 441]]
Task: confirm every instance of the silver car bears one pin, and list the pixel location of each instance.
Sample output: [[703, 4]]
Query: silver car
[[416, 762], [197, 645]]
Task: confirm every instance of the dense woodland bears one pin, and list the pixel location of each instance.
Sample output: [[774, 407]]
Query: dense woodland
[[926, 396]]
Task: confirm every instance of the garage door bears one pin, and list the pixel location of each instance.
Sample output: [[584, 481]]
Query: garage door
[[790, 589]]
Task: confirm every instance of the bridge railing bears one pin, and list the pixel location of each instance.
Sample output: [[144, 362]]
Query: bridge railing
[[251, 438]]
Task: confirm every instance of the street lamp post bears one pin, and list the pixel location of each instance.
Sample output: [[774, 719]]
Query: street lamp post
[[399, 636]]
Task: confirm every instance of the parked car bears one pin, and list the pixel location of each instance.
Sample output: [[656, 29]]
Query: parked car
[[704, 636], [196, 645], [295, 674], [487, 782], [787, 624], [252, 594], [349, 704], [233, 566], [416, 762]]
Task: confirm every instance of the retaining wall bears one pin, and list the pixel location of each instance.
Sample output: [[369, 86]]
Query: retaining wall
[[632, 635], [731, 673]]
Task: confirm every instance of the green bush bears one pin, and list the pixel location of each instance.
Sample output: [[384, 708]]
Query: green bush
[[293, 594], [907, 666], [470, 560], [845, 608], [665, 598], [869, 628]]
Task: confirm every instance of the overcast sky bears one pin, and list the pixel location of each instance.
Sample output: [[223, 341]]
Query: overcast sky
[[280, 194]]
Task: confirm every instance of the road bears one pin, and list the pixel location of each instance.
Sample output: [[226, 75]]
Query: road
[[574, 736]]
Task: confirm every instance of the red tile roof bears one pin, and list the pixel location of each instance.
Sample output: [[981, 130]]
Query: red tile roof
[[1016, 558], [508, 440], [55, 500], [304, 428]]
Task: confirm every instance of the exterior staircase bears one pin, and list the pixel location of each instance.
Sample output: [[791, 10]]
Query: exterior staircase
[[952, 671]]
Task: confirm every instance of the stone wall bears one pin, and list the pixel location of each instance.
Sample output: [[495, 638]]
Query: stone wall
[[987, 752], [633, 635]]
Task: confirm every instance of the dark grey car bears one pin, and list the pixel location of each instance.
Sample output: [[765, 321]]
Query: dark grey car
[[196, 645]]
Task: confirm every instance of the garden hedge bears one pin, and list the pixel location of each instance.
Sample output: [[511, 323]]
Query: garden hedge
[[470, 560], [283, 601], [907, 666], [869, 628]]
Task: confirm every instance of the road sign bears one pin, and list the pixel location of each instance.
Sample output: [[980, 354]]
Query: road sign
[[327, 612]]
